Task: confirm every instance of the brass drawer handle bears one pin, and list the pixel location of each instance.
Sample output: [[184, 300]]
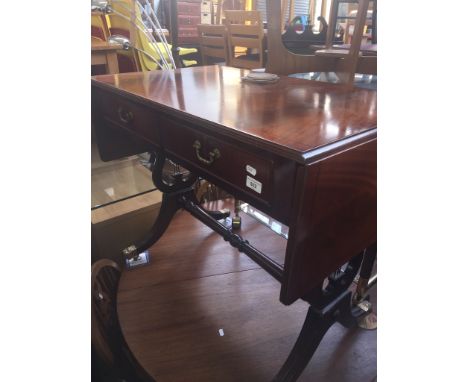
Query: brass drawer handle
[[215, 154], [125, 116]]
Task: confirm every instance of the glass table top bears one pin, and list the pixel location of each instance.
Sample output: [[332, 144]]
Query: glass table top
[[118, 180], [366, 81]]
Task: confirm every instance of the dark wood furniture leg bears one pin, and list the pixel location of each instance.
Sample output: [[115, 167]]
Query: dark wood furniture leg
[[171, 189], [328, 305], [313, 330]]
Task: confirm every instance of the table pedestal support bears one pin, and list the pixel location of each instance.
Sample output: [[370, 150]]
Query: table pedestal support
[[328, 305], [313, 330]]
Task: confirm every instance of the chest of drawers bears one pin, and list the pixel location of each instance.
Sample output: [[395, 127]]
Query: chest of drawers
[[188, 16]]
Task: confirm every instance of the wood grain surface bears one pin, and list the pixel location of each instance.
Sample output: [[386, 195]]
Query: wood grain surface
[[336, 217], [293, 117]]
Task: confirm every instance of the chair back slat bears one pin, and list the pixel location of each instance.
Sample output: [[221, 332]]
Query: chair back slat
[[244, 42], [213, 43], [245, 31]]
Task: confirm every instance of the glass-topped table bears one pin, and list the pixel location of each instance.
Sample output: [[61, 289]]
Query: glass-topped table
[[365, 81], [118, 180]]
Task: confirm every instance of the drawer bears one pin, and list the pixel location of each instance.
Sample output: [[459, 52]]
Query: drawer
[[185, 8], [239, 168], [132, 116], [189, 40], [188, 32], [206, 6], [188, 35], [206, 18], [189, 20]]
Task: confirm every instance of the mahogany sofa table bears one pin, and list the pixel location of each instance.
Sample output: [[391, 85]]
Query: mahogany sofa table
[[303, 152]]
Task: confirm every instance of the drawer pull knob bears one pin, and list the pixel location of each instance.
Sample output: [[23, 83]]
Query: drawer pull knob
[[215, 154], [125, 116]]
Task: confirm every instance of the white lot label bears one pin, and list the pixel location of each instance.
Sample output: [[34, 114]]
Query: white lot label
[[253, 184], [251, 170], [143, 258]]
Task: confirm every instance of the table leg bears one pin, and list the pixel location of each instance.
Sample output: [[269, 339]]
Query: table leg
[[112, 63], [169, 206], [327, 306], [314, 329], [177, 193]]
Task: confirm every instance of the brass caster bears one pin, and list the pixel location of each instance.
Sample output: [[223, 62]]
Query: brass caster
[[236, 222], [369, 320], [133, 258], [130, 252]]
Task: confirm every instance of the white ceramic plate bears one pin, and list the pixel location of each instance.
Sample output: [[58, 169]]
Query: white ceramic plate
[[262, 76]]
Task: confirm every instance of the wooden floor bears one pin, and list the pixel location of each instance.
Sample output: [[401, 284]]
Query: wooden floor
[[171, 312]]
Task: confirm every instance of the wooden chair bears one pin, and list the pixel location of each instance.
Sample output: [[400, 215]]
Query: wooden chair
[[344, 62], [213, 43], [99, 29], [106, 338], [228, 5], [349, 58], [245, 30]]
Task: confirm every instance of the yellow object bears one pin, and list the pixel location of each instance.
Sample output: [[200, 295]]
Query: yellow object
[[98, 22], [138, 38]]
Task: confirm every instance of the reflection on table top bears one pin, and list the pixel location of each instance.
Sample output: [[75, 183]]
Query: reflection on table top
[[293, 115], [364, 81]]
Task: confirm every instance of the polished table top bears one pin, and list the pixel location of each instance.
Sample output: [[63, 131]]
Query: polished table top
[[292, 117]]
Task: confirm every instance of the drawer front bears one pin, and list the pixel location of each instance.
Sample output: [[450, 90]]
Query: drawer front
[[132, 116], [206, 6], [188, 35], [184, 8], [188, 32], [240, 168], [206, 18], [189, 20]]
